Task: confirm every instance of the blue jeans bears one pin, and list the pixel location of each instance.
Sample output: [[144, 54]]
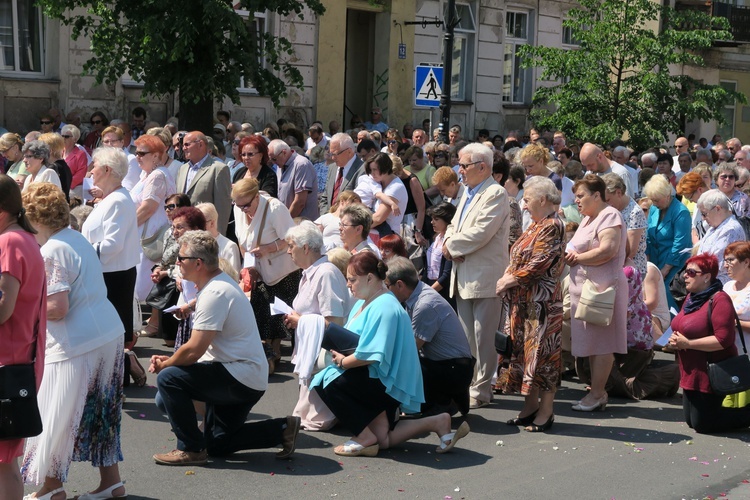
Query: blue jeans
[[228, 403]]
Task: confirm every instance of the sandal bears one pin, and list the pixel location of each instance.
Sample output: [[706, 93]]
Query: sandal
[[104, 494], [448, 441], [528, 419], [149, 331], [46, 496], [136, 369], [354, 449]]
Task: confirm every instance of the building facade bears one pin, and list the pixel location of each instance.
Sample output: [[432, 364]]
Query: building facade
[[351, 61]]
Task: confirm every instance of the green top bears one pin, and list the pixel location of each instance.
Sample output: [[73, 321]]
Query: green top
[[18, 168]]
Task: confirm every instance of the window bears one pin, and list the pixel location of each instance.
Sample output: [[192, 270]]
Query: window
[[21, 37], [256, 25], [462, 67], [728, 112], [516, 80], [568, 38]]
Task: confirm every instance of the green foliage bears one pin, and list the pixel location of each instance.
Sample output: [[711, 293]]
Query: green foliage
[[618, 81], [200, 47]]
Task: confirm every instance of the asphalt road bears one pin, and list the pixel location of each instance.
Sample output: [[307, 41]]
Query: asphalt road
[[633, 450]]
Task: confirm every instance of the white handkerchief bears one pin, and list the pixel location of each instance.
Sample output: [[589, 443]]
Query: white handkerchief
[[88, 184], [249, 260], [171, 309], [280, 307], [664, 339]]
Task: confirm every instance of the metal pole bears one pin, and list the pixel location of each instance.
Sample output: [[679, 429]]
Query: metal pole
[[445, 97]]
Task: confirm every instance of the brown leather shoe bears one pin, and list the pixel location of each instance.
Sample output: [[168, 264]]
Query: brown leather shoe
[[289, 437], [179, 457]]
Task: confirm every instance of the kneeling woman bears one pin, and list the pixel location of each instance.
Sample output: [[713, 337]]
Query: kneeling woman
[[366, 389], [704, 332]]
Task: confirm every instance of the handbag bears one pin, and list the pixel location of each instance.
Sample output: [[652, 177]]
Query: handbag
[[596, 307], [19, 411], [503, 344], [339, 339], [730, 376], [153, 246], [162, 294]]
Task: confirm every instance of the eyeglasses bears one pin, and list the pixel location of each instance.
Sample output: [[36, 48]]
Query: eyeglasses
[[248, 155], [727, 177], [29, 156], [67, 136], [141, 154], [467, 165], [730, 260], [169, 207], [95, 122], [692, 273], [181, 258], [236, 142], [243, 207], [336, 153], [392, 142], [342, 225], [44, 122]]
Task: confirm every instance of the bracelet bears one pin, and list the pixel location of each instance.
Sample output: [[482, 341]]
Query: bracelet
[[341, 363], [418, 231], [276, 242]]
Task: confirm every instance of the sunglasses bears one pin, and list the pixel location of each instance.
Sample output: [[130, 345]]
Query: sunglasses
[[726, 177], [141, 154], [43, 122], [67, 136], [95, 122], [181, 258], [692, 273], [171, 206]]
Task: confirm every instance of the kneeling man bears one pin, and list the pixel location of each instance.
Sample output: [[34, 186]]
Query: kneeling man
[[223, 364], [445, 355]]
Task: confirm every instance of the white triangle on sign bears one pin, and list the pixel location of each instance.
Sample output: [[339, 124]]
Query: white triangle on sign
[[430, 87]]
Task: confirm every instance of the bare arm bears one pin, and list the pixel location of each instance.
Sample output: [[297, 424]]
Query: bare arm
[[609, 244], [298, 203], [651, 288], [634, 240], [381, 214], [146, 209], [57, 306], [9, 286], [418, 194]]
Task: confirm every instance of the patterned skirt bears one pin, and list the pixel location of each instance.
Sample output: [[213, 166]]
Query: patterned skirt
[[80, 400], [272, 327]]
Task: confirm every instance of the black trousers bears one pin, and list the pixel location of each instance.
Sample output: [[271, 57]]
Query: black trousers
[[704, 413], [120, 292], [445, 381]]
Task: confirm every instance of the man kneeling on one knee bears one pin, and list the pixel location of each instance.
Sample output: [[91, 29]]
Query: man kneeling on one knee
[[223, 364], [445, 355]]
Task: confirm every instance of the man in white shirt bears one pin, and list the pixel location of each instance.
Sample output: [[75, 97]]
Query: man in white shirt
[[222, 364], [317, 137], [593, 159]]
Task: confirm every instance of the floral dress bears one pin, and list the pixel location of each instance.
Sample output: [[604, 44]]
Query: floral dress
[[639, 317], [535, 308]]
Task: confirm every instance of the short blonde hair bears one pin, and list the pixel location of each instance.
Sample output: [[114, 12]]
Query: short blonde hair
[[46, 205], [398, 165], [444, 176], [339, 257], [246, 187], [536, 152], [209, 211], [657, 187], [55, 143]]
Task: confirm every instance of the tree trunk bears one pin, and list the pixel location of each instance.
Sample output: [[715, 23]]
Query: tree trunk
[[196, 116]]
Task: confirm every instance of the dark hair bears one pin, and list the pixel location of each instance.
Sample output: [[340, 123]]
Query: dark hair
[[593, 184], [366, 144], [484, 132], [665, 157], [105, 120], [498, 137], [364, 263], [518, 174], [181, 200], [193, 216], [139, 112], [645, 175], [394, 243], [740, 249], [510, 145], [259, 143], [500, 165], [385, 165], [224, 113], [415, 150], [10, 201], [401, 147], [566, 152], [706, 262], [443, 211]]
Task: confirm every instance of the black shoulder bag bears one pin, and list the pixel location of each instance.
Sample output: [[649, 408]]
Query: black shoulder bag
[[732, 375]]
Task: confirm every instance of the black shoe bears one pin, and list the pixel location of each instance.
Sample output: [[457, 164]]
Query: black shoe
[[528, 419], [541, 428]]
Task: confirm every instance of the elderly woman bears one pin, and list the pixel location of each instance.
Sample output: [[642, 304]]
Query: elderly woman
[[668, 235], [532, 288], [56, 150], [112, 228], [380, 168], [597, 253], [22, 311], [691, 186], [635, 220], [254, 154], [76, 158], [725, 177], [737, 263], [269, 271], [149, 195], [80, 398], [322, 296], [365, 389], [705, 331], [354, 226], [36, 156], [329, 223], [723, 228], [10, 148]]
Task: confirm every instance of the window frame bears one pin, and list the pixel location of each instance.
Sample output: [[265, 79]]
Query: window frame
[[508, 97], [728, 130], [256, 16], [16, 72], [463, 76]]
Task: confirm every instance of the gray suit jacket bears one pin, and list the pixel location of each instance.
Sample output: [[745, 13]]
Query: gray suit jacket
[[348, 183], [211, 184]]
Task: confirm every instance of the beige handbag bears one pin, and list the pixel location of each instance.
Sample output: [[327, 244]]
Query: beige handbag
[[596, 307]]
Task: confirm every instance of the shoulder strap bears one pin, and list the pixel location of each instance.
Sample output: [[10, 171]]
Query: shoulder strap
[[262, 224]]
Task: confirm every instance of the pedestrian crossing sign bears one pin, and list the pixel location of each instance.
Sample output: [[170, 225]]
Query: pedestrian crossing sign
[[428, 81]]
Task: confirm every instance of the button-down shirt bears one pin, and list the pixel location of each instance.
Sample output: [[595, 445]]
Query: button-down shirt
[[295, 176], [470, 193], [192, 170]]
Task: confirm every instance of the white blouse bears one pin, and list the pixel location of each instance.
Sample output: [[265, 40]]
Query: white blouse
[[112, 228]]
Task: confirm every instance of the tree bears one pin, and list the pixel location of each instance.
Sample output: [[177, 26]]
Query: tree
[[618, 82], [199, 48]]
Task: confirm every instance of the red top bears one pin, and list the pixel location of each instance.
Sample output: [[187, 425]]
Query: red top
[[21, 258], [694, 364], [78, 163]]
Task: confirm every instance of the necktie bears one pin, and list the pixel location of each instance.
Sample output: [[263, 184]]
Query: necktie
[[337, 186]]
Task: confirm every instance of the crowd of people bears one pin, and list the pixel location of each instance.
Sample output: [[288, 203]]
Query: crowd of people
[[228, 246]]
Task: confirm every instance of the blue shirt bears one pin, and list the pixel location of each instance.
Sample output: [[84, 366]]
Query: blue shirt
[[469, 193]]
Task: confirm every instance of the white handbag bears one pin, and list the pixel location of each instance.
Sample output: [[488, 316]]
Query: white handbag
[[596, 307]]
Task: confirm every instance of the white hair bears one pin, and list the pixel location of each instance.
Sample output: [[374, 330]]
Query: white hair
[[306, 233], [478, 152], [71, 129], [651, 156], [543, 186], [113, 158], [343, 140], [277, 146], [714, 198]]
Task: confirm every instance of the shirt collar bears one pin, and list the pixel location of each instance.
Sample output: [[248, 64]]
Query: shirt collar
[[198, 165], [472, 192], [412, 300], [310, 271]]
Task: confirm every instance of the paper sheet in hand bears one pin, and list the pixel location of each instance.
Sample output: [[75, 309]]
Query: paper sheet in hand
[[88, 184], [171, 309], [280, 307], [189, 290], [249, 260], [664, 339]]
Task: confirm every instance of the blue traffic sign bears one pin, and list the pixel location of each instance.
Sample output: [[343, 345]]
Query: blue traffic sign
[[428, 81]]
